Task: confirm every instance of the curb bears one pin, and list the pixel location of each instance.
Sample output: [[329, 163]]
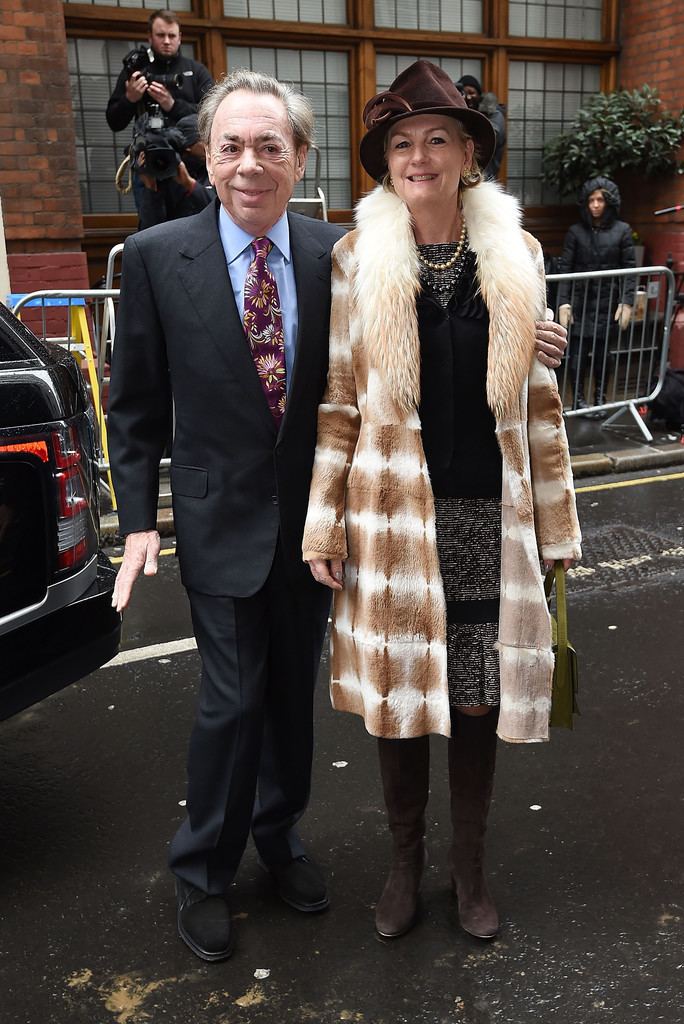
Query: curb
[[625, 460]]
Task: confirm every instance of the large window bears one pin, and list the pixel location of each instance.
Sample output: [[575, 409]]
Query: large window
[[179, 6], [390, 65], [94, 66], [440, 15], [556, 19], [542, 99], [319, 12], [324, 77]]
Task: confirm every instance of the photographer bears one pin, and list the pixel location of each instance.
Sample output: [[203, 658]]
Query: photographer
[[487, 104], [171, 166], [158, 75]]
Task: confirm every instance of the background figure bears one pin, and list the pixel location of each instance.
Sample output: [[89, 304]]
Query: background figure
[[187, 192], [187, 79], [441, 477], [159, 77], [598, 241], [488, 104]]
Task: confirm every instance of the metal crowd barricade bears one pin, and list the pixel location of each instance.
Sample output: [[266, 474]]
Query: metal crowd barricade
[[608, 371]]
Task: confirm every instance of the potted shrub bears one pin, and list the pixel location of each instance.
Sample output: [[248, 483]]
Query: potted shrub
[[615, 132]]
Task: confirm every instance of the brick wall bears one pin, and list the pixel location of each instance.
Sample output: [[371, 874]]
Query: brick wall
[[33, 272], [38, 174], [652, 38]]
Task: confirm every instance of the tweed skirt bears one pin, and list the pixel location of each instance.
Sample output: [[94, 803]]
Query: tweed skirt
[[469, 548]]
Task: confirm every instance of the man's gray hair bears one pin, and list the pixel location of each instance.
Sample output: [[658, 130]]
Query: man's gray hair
[[299, 110]]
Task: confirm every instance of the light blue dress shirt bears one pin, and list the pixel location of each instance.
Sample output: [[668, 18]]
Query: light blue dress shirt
[[237, 246]]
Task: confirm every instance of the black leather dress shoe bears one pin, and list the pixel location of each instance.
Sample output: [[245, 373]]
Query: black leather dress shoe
[[300, 884], [204, 922]]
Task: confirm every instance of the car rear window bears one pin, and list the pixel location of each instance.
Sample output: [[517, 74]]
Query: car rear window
[[12, 350], [13, 347]]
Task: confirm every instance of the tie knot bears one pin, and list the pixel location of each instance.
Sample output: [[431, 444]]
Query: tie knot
[[262, 246]]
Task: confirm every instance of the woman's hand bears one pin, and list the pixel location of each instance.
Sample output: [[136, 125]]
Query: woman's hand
[[567, 564], [565, 316], [623, 315], [328, 572]]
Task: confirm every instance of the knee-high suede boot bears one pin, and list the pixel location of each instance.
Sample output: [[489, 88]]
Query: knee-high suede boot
[[472, 758], [405, 771]]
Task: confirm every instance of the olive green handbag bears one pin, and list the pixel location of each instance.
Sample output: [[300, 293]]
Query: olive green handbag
[[564, 691]]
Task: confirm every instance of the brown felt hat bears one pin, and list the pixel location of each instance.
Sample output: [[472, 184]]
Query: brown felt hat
[[423, 88]]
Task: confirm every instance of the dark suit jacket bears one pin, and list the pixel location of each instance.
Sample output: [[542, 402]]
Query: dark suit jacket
[[236, 483]]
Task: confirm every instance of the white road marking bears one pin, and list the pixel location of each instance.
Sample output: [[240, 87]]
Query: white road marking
[[153, 651]]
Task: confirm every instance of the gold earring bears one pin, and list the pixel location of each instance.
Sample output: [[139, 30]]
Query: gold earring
[[387, 183]]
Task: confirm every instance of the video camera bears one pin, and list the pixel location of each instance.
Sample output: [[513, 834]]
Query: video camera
[[140, 60], [161, 145]]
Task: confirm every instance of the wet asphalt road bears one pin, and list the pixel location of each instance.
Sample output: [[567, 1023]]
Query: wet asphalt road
[[589, 885]]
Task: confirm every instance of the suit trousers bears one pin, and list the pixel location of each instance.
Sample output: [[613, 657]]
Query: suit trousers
[[251, 747]]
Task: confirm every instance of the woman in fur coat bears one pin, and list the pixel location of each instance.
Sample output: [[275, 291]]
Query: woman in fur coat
[[441, 477]]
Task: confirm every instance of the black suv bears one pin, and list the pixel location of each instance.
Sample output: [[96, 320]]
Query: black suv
[[56, 619]]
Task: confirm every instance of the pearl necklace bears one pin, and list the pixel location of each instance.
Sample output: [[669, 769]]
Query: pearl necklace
[[453, 260]]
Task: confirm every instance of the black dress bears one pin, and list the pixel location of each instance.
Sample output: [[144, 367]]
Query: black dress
[[464, 462]]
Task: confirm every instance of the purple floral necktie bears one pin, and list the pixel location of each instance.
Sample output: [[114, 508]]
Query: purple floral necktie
[[263, 323]]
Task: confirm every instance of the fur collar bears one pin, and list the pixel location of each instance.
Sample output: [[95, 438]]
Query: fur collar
[[387, 282]]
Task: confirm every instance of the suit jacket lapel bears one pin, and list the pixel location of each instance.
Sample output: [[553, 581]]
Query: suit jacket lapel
[[312, 278], [204, 275]]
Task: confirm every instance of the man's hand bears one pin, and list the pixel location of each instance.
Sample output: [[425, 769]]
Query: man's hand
[[136, 86], [140, 553], [184, 178], [161, 95], [329, 573], [552, 340], [148, 180]]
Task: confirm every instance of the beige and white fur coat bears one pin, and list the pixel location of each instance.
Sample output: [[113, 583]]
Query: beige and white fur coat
[[371, 502]]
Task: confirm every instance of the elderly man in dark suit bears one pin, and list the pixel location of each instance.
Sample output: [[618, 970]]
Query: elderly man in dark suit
[[226, 313]]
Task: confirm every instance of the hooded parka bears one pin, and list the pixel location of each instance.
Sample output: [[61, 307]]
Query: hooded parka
[[588, 246], [371, 502]]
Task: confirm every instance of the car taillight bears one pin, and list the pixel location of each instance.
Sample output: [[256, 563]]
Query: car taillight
[[72, 502], [38, 448]]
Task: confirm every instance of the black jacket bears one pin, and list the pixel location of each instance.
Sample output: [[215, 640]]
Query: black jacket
[[237, 484], [491, 108], [120, 111], [606, 247]]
